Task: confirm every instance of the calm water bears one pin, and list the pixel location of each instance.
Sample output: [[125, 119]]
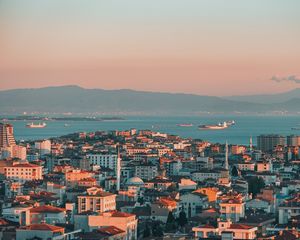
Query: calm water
[[239, 134]]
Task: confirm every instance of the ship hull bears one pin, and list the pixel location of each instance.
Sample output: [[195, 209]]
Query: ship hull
[[211, 128], [32, 125]]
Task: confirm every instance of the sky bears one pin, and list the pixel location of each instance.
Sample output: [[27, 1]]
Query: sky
[[207, 47]]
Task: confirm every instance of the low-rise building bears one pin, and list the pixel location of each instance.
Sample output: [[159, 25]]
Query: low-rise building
[[23, 172], [124, 221], [96, 200]]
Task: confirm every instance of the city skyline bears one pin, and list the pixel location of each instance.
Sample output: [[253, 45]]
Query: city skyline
[[130, 120], [201, 47]]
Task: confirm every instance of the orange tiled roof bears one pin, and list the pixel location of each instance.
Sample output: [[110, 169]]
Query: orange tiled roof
[[3, 222], [240, 226], [43, 227], [47, 209], [121, 214], [167, 202], [110, 230], [25, 165]]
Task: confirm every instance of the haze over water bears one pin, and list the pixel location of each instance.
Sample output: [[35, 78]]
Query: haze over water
[[245, 127]]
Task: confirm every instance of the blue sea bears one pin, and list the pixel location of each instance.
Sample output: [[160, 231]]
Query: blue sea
[[240, 133]]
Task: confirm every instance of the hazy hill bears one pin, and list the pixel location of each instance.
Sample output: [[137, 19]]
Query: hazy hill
[[79, 100], [268, 98]]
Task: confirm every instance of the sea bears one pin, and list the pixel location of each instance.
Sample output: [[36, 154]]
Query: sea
[[240, 133]]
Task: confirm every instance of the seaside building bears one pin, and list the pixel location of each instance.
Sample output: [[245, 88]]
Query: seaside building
[[293, 141], [266, 143]]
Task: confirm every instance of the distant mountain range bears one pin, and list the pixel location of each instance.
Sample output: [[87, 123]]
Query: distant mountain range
[[269, 98], [75, 99]]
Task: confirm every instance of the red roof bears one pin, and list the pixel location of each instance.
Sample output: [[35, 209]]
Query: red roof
[[3, 222], [207, 226], [167, 202], [25, 165], [121, 214], [116, 213], [110, 230], [43, 227], [240, 226], [47, 209]]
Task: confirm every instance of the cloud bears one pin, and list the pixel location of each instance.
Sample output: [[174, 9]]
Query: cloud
[[290, 78]]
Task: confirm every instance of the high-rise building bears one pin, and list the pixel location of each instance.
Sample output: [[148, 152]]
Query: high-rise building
[[266, 143], [293, 141], [6, 135]]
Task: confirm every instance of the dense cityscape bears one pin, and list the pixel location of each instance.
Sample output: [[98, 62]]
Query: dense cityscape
[[143, 184], [149, 120]]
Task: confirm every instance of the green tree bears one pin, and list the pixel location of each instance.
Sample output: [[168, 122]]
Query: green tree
[[147, 231], [157, 230], [182, 220], [234, 171], [172, 188], [171, 222], [255, 184]]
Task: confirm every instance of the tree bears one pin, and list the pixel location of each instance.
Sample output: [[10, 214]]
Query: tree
[[157, 230], [182, 220], [140, 200], [172, 188], [255, 184], [234, 171], [147, 231], [171, 222]]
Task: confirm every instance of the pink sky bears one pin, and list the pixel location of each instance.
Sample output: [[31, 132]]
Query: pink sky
[[194, 48]]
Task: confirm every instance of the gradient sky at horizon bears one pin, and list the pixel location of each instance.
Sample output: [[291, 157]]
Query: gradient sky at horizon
[[211, 47]]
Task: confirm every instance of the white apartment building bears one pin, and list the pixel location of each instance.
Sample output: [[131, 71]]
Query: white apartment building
[[146, 171], [104, 160]]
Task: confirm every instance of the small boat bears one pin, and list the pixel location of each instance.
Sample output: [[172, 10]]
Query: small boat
[[67, 125], [184, 125], [39, 125]]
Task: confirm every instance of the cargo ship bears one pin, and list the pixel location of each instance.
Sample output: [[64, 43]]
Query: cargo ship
[[39, 125], [219, 126]]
